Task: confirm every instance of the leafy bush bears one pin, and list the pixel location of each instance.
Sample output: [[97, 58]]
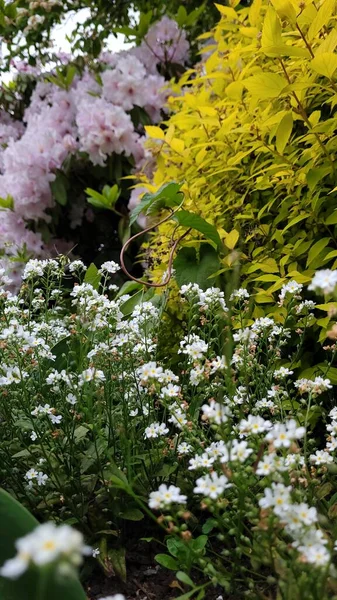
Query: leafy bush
[[252, 139], [69, 137], [220, 444]]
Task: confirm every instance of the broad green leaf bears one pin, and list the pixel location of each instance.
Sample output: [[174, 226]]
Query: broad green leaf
[[7, 203], [167, 561], [127, 287], [188, 219], [184, 578], [116, 557], [283, 132], [190, 267], [58, 188], [331, 219], [325, 64], [169, 194], [92, 276], [316, 249], [294, 221], [132, 514]]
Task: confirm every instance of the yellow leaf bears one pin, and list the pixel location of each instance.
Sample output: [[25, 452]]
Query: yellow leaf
[[322, 18], [283, 132], [155, 132], [231, 239], [234, 90], [227, 11], [265, 85], [316, 249], [284, 50], [271, 31], [329, 43], [285, 9], [177, 145], [325, 64], [254, 14]]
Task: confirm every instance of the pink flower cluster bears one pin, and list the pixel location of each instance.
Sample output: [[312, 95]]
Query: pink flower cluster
[[89, 117]]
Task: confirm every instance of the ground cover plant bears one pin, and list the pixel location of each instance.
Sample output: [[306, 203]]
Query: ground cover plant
[[221, 448], [251, 137]]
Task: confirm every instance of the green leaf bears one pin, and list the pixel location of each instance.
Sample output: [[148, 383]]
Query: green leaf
[[167, 561], [169, 195], [127, 287], [184, 578], [7, 203], [92, 276], [117, 559], [331, 219], [188, 219], [200, 542], [316, 249], [194, 268], [59, 189], [132, 514], [209, 525]]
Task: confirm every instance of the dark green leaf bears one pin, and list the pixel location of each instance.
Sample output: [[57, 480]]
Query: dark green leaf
[[169, 195], [188, 219], [166, 561], [191, 268]]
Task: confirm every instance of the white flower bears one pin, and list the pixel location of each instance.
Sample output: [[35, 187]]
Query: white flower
[[217, 364], [321, 458], [193, 346], [211, 485], [317, 555], [316, 387], [215, 412], [46, 544], [149, 371], [71, 399], [266, 466], [253, 425], [155, 430], [240, 294], [282, 372], [276, 497], [110, 267], [184, 448], [289, 288], [282, 434], [324, 281], [33, 436], [95, 552], [165, 496], [170, 391], [90, 375], [240, 451], [55, 419], [76, 265], [196, 375]]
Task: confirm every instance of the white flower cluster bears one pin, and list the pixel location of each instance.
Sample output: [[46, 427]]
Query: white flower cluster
[[46, 544]]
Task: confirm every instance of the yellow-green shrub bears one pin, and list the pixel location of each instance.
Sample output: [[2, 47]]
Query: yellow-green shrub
[[252, 134]]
